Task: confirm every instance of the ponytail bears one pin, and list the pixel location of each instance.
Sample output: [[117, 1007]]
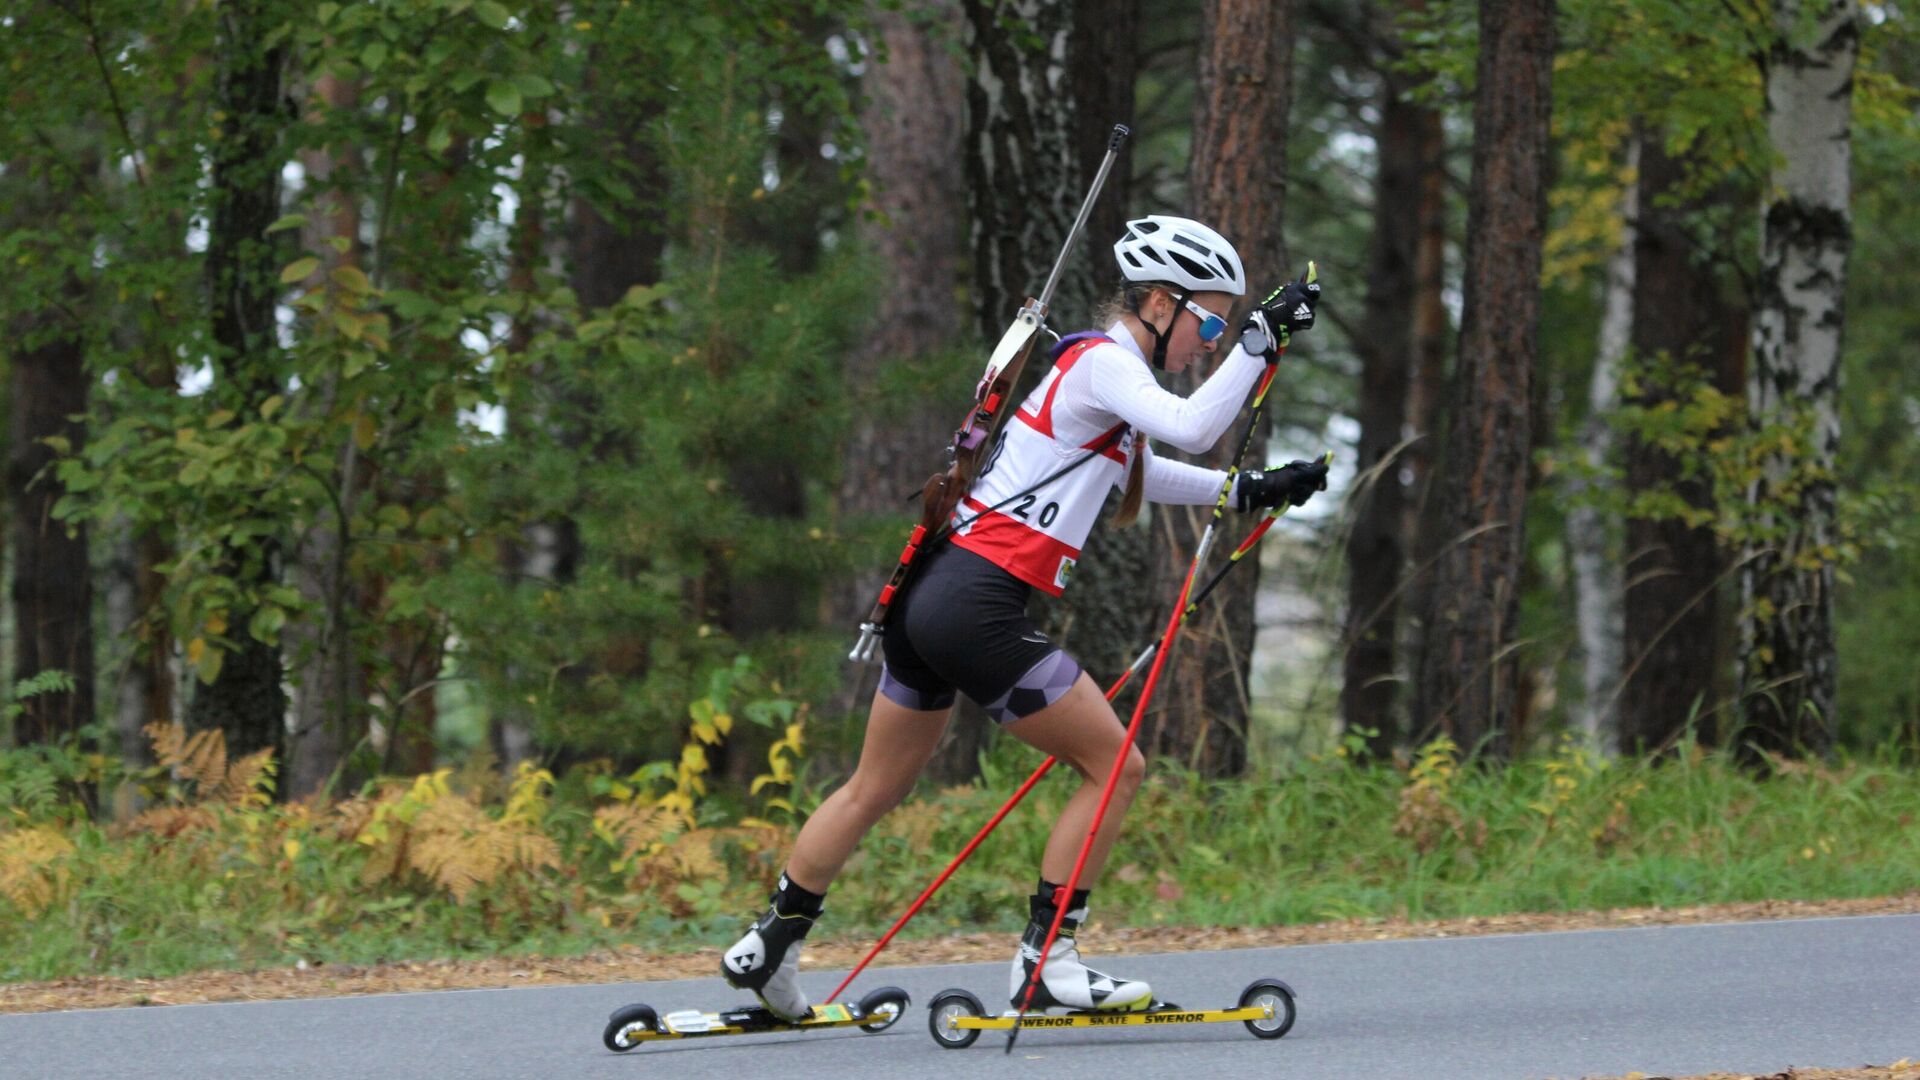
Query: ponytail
[[1126, 300], [1129, 511]]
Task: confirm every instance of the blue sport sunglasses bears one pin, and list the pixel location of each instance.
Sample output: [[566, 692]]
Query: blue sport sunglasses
[[1211, 325]]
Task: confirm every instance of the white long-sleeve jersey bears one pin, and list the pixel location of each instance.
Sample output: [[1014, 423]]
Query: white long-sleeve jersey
[[1098, 397]]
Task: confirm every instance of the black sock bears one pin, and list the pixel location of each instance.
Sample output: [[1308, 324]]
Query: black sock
[[1040, 906], [790, 899]]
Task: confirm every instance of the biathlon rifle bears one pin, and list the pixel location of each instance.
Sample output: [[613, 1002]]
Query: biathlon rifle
[[945, 489]]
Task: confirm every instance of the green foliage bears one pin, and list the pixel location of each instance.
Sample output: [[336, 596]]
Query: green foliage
[[435, 867], [439, 146]]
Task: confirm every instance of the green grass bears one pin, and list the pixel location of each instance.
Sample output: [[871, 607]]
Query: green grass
[[1561, 833]]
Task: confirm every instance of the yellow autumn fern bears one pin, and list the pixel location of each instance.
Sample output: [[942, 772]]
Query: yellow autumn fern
[[31, 874], [450, 841], [200, 759]]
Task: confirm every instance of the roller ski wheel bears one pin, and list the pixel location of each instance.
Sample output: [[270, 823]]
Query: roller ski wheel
[[625, 1022], [635, 1024], [944, 1015], [1277, 998], [885, 1006]]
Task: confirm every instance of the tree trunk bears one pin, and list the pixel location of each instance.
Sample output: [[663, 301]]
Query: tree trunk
[[1598, 585], [52, 581], [1467, 684], [143, 691], [913, 120], [329, 695], [1048, 78], [1237, 175], [1105, 618], [1409, 140], [1787, 658], [1020, 172], [245, 699], [1426, 411], [1681, 324]]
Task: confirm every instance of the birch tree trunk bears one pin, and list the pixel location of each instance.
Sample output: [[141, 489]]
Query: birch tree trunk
[[1104, 618], [329, 699], [1020, 174], [1787, 657], [1598, 584], [1047, 77], [1467, 684]]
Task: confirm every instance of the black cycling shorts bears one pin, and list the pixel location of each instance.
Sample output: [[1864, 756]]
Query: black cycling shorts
[[962, 625]]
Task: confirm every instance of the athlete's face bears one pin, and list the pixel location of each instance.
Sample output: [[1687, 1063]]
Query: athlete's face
[[1185, 348]]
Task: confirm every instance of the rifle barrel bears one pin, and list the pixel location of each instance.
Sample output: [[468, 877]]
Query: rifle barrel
[[1119, 138]]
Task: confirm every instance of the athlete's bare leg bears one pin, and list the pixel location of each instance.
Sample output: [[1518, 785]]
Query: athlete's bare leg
[[899, 743], [1082, 731]]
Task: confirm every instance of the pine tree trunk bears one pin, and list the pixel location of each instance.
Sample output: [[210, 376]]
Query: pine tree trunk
[[1681, 324], [1237, 175], [1787, 658], [245, 699], [1468, 684], [913, 118], [52, 580], [1409, 140]]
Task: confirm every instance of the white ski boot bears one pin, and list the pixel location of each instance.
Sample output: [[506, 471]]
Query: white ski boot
[[1067, 982]]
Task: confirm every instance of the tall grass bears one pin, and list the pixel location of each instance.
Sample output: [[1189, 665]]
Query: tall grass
[[253, 885]]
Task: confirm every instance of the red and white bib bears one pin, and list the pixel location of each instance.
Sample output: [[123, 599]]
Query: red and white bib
[[1037, 525]]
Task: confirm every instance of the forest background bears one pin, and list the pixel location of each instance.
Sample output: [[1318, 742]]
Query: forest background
[[451, 445]]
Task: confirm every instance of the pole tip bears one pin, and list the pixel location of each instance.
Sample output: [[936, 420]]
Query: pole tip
[[1120, 133]]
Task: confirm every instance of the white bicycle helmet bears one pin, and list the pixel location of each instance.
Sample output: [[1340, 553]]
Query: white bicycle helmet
[[1179, 251]]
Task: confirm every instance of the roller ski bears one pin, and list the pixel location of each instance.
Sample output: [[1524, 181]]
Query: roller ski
[[632, 1025], [1068, 994], [766, 961], [956, 1018]]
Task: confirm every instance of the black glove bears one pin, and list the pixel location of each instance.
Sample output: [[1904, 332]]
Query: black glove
[[1286, 309], [1293, 483], [1290, 307]]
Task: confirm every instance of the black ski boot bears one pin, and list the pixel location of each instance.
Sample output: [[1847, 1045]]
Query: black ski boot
[[767, 960]]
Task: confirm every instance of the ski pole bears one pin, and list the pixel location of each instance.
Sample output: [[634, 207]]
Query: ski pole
[[1174, 622], [1113, 691]]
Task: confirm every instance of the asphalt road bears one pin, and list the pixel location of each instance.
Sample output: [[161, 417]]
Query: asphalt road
[[1756, 997]]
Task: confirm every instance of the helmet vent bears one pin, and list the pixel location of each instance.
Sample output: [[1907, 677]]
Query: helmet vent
[[1193, 267], [1189, 241]]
